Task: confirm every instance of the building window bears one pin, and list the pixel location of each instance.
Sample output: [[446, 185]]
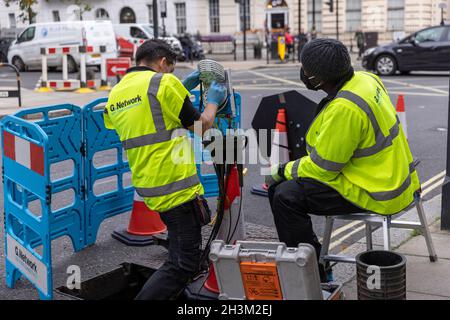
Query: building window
[[353, 14], [247, 14], [396, 15], [180, 13], [315, 9], [55, 14], [127, 15], [150, 13], [101, 14], [12, 20], [214, 16]]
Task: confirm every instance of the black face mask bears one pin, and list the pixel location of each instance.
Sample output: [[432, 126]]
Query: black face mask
[[311, 83]]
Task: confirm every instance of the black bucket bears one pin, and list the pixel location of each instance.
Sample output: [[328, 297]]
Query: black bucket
[[392, 275]]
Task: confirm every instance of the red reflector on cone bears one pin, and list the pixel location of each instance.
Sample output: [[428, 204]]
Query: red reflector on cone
[[211, 282], [233, 189], [145, 222]]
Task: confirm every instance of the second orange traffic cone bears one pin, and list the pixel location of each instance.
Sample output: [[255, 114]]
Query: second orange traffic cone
[[144, 224], [280, 148]]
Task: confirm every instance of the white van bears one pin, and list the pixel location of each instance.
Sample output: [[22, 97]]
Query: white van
[[25, 52], [137, 33]]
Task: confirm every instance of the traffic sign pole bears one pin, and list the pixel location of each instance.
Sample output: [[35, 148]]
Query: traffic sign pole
[[445, 213]]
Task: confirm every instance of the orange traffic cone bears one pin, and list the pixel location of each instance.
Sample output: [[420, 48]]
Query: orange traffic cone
[[232, 218], [280, 148], [144, 224], [402, 114], [211, 282]]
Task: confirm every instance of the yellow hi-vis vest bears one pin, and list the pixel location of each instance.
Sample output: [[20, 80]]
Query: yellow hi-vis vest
[[356, 145], [143, 108]]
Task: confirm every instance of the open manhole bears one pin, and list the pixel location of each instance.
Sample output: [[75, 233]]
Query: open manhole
[[123, 283]]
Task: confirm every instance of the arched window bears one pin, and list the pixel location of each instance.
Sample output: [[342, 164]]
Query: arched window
[[127, 15], [101, 14]]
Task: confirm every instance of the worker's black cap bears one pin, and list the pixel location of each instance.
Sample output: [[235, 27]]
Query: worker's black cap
[[327, 59]]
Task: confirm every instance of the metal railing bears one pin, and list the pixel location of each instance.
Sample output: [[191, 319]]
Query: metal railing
[[12, 93]]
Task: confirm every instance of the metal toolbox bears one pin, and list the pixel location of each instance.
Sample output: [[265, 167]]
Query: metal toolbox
[[266, 271]]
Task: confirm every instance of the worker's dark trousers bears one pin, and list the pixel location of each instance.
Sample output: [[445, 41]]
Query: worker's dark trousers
[[292, 202], [185, 240]]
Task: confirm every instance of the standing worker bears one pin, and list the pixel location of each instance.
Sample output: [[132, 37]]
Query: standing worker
[[302, 40], [145, 109], [358, 156], [360, 42], [289, 40]]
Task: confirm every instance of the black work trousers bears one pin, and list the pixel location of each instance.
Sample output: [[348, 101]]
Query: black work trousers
[[292, 202], [185, 241]]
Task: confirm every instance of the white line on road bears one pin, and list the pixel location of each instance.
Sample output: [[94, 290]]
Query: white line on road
[[415, 86], [259, 74]]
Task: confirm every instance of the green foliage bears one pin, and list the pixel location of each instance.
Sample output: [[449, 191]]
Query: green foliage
[[26, 7]]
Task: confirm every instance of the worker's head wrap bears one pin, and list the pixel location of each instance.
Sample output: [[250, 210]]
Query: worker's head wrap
[[327, 60]]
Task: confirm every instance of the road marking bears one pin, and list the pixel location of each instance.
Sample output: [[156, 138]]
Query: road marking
[[415, 86], [254, 88], [259, 74], [423, 94]]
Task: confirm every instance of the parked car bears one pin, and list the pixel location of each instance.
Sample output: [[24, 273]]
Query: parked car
[[424, 50], [192, 48], [138, 33], [25, 51], [5, 42]]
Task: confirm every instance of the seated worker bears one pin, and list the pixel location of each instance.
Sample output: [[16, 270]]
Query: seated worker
[[358, 156], [145, 108]]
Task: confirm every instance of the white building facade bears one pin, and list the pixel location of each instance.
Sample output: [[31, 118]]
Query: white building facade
[[385, 17]]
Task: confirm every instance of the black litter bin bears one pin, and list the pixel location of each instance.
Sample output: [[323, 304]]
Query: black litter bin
[[392, 275]]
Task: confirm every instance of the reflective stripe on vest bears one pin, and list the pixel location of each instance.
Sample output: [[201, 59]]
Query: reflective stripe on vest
[[169, 188], [389, 195], [161, 134], [382, 142], [379, 196]]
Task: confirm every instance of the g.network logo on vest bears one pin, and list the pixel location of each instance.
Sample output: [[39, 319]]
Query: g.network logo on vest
[[121, 105]]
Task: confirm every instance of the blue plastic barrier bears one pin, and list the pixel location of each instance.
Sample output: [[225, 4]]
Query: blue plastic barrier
[[61, 134], [99, 139], [29, 152]]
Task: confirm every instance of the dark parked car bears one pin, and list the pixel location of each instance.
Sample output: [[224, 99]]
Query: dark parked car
[[425, 50], [4, 46]]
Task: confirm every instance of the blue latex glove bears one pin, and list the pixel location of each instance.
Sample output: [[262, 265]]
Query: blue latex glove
[[217, 94], [192, 80]]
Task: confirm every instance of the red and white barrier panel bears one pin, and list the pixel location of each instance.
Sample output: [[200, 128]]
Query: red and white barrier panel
[[69, 84], [28, 154], [72, 50]]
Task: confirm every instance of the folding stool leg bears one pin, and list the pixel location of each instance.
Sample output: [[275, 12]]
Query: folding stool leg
[[326, 238], [369, 243], [425, 229], [386, 233]]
